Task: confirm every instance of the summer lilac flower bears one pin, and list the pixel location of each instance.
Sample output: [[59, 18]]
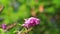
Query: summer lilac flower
[[4, 26], [30, 22]]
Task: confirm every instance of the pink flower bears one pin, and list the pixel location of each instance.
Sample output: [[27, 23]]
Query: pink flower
[[4, 26], [30, 22]]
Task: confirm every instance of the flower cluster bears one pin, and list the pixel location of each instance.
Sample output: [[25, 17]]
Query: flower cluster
[[30, 22]]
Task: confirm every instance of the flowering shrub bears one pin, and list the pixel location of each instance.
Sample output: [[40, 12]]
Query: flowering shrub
[[15, 11], [28, 24]]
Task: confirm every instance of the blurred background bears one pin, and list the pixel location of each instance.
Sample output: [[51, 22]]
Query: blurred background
[[48, 11]]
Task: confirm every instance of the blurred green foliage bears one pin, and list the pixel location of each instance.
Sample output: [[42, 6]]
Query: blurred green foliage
[[18, 10]]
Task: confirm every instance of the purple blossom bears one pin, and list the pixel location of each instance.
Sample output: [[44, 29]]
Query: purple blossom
[[4, 26], [30, 22]]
